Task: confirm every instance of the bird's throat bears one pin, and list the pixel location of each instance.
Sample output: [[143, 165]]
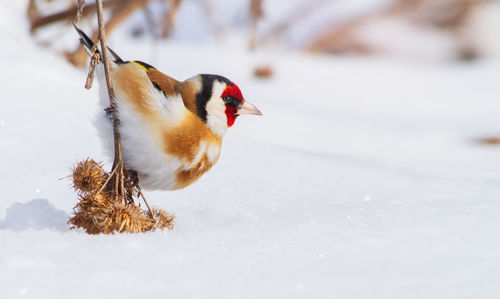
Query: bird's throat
[[231, 115]]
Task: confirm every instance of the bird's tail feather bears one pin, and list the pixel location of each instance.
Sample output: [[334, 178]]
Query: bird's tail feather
[[87, 44]]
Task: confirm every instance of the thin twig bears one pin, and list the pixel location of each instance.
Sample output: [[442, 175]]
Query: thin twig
[[80, 5], [145, 201], [256, 14], [94, 60], [32, 12], [169, 17], [107, 181], [122, 183], [118, 159]]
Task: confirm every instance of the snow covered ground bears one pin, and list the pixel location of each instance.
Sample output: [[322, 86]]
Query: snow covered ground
[[362, 180]]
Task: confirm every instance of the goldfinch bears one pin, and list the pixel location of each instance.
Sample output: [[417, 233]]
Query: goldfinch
[[171, 131]]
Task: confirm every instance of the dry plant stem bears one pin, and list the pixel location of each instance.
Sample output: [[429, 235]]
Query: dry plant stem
[[256, 14], [145, 201], [32, 11], [107, 181], [80, 6], [118, 176], [169, 17], [94, 60]]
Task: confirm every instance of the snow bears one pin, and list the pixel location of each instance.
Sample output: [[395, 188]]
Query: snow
[[362, 180], [36, 214]]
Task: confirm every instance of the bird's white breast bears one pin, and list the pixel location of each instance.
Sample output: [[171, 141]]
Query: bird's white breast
[[142, 144]]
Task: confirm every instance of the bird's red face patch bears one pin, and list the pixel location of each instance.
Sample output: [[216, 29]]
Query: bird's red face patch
[[233, 91], [232, 98], [231, 115]]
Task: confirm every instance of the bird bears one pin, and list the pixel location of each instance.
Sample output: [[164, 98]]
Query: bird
[[171, 131]]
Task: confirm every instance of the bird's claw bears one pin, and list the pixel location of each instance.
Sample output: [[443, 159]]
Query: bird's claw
[[110, 111], [133, 178]]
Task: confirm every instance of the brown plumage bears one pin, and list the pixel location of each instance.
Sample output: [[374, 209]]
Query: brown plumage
[[171, 131]]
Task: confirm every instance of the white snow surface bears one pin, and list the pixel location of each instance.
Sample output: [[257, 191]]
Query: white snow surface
[[362, 180]]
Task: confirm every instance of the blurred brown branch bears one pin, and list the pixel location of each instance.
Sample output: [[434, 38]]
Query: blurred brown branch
[[448, 16], [169, 17], [119, 10], [256, 13], [38, 21], [32, 12]]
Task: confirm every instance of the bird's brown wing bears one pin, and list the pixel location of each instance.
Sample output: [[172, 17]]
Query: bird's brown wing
[[170, 87], [165, 83]]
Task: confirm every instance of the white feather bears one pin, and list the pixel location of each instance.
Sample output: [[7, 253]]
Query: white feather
[[216, 115], [141, 149]]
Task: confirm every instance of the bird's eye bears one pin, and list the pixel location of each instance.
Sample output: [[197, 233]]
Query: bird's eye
[[228, 99]]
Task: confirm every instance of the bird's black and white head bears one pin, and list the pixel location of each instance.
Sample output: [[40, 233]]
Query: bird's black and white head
[[219, 102]]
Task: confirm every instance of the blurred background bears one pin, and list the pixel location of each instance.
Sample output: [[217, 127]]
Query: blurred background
[[440, 30]]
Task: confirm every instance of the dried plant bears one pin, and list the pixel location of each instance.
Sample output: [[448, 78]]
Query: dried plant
[[97, 210], [106, 200], [88, 176], [169, 17], [256, 13]]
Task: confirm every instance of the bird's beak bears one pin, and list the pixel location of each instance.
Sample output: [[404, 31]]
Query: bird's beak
[[248, 108]]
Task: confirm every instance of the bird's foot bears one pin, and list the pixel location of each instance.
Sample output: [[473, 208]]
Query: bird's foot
[[110, 111], [132, 179]]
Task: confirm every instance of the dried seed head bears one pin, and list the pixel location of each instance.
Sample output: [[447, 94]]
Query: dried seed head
[[88, 176], [163, 219], [99, 212]]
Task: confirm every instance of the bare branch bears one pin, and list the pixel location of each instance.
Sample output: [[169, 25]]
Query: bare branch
[[80, 5], [169, 17], [256, 14], [68, 14], [94, 61], [118, 160]]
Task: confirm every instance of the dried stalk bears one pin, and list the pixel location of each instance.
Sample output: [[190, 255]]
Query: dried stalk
[[117, 169], [80, 6], [145, 201], [32, 11], [169, 17], [256, 14], [94, 60]]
